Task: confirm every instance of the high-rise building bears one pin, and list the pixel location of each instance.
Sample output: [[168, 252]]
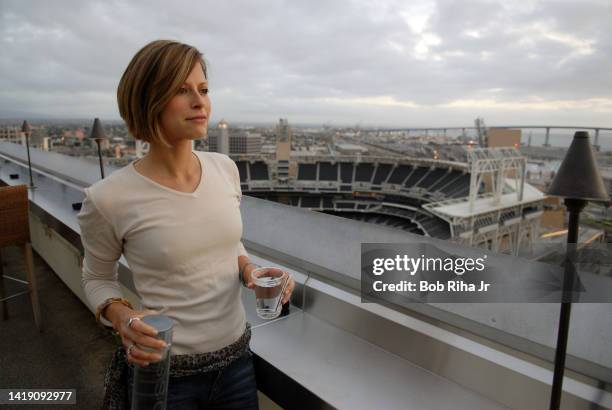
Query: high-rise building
[[245, 143], [283, 149], [223, 145], [227, 141], [283, 140]]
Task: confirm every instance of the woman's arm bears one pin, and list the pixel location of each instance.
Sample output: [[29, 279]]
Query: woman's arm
[[102, 251], [246, 267], [99, 280]]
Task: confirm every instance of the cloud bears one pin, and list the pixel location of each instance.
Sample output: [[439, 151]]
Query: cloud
[[385, 63]]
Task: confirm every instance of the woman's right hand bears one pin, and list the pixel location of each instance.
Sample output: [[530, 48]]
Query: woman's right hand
[[141, 335]]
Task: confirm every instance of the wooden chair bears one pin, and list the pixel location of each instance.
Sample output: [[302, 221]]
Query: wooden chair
[[15, 231]]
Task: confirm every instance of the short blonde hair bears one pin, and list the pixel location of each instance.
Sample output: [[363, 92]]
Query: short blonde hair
[[149, 82]]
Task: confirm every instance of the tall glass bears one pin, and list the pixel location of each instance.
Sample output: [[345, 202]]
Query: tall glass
[[150, 390], [270, 284]]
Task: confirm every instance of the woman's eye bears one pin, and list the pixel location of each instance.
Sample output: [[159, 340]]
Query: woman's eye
[[182, 90], [204, 91]]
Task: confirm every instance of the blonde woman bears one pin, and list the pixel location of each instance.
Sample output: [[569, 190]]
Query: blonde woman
[[175, 216]]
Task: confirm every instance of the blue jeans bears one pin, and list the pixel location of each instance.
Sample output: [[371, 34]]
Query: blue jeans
[[233, 387]]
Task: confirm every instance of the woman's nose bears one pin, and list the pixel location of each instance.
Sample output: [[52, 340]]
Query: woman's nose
[[199, 100]]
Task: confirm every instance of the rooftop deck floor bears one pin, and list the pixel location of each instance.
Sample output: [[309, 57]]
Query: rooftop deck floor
[[72, 351]]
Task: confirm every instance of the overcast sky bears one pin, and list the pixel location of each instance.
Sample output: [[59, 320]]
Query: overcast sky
[[384, 63]]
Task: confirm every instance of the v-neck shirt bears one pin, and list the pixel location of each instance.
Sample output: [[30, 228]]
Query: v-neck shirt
[[195, 191], [182, 249]]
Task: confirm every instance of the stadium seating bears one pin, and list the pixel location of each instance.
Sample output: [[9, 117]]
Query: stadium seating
[[330, 187], [259, 170]]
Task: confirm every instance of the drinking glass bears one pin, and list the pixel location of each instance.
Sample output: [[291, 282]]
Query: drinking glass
[[270, 284], [150, 388]]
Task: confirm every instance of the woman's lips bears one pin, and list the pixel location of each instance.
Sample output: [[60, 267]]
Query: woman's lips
[[197, 119]]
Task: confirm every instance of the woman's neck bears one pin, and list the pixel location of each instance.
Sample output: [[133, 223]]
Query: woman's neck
[[176, 162]]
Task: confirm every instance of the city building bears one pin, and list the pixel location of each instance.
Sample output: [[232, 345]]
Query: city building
[[245, 143], [229, 141], [283, 149], [503, 137], [223, 145], [12, 133]]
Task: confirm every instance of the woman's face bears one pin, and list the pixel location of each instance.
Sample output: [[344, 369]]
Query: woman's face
[[186, 115]]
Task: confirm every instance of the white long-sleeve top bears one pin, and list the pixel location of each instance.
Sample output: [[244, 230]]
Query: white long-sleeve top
[[182, 249]]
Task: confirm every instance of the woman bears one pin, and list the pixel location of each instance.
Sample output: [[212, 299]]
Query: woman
[[175, 216]]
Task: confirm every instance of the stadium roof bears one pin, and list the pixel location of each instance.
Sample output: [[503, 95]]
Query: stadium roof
[[461, 208]]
